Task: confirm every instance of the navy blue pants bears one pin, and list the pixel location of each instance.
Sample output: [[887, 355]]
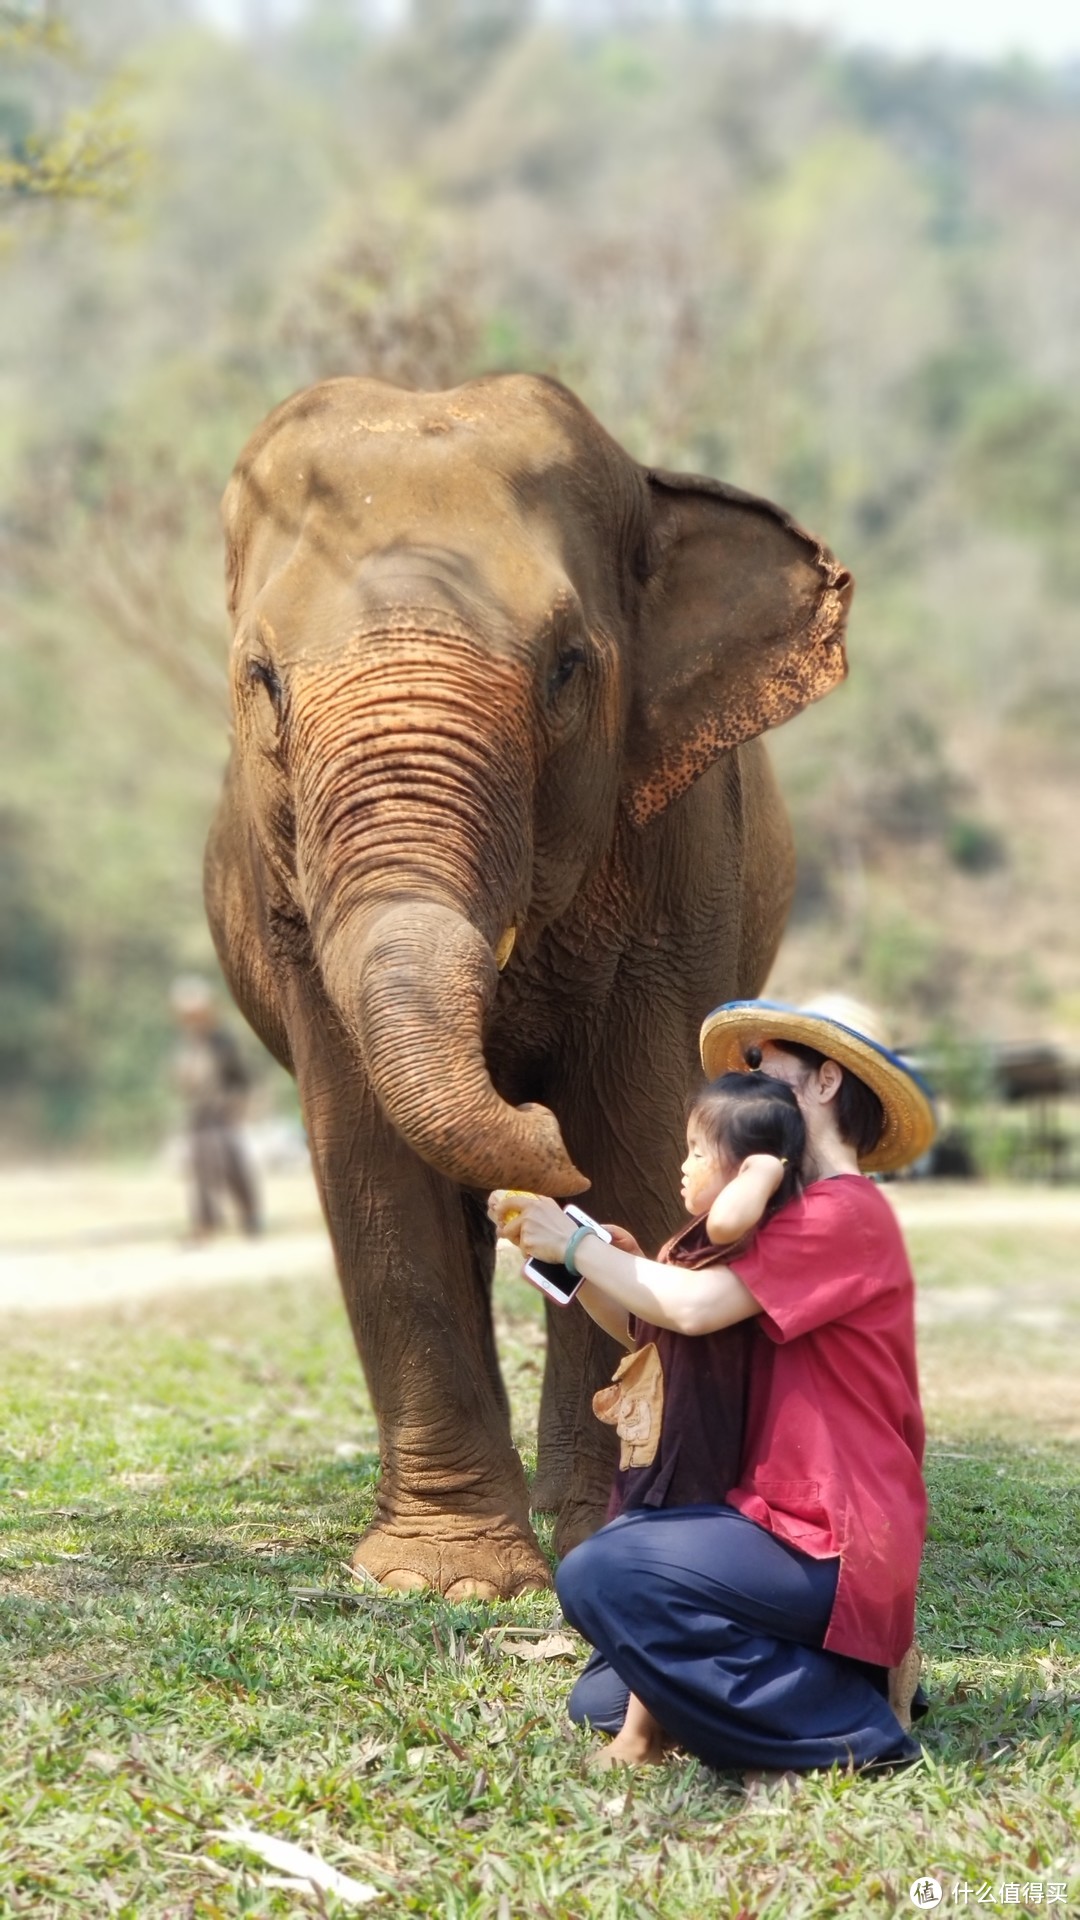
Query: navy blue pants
[[718, 1627]]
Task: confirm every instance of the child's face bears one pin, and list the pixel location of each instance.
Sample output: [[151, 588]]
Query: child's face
[[705, 1172]]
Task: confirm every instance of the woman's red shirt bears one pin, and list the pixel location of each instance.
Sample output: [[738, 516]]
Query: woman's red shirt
[[832, 1459]]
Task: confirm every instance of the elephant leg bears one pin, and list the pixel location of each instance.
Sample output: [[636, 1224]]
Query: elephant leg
[[576, 1453], [415, 1255], [624, 1117], [624, 1122]]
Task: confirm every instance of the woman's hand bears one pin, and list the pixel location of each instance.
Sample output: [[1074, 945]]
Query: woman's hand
[[504, 1207], [532, 1222]]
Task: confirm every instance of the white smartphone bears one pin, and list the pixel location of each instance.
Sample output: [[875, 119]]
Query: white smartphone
[[551, 1276]]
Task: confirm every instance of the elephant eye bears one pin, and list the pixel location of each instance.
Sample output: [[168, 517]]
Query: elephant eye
[[262, 674], [570, 658]]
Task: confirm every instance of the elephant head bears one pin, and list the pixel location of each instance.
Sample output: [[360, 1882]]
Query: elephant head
[[471, 637]]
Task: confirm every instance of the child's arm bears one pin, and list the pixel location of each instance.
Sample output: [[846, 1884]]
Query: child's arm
[[743, 1201]]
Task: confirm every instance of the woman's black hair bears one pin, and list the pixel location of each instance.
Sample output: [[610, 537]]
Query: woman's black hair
[[860, 1115], [743, 1113]]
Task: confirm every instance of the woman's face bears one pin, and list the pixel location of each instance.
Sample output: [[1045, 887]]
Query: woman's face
[[815, 1088], [786, 1067], [705, 1172]]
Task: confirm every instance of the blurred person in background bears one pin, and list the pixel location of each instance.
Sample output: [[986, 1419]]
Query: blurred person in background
[[212, 1079]]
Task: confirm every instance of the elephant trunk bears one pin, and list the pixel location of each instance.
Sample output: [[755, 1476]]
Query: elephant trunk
[[414, 855], [415, 985]]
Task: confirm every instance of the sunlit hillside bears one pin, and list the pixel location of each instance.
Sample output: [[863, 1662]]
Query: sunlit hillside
[[844, 282]]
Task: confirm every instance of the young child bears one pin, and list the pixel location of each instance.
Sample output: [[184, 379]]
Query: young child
[[677, 1401]]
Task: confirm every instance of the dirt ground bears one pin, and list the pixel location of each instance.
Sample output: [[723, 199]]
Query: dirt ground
[[86, 1235]]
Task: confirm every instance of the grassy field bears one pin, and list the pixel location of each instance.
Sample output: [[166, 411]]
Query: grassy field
[[181, 1651]]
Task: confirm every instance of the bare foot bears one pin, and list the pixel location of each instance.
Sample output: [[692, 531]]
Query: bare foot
[[632, 1751], [903, 1681]]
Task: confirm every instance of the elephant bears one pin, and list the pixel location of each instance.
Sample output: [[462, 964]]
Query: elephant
[[497, 830]]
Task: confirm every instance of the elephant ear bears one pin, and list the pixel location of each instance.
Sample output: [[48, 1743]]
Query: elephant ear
[[742, 625]]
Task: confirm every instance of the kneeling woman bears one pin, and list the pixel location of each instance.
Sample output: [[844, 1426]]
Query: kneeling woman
[[758, 1631]]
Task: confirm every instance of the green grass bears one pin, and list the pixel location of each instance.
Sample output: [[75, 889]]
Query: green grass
[[169, 1479]]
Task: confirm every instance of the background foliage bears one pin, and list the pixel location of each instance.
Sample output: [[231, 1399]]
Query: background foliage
[[841, 280]]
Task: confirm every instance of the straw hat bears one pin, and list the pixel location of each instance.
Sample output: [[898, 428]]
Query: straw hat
[[851, 1035]]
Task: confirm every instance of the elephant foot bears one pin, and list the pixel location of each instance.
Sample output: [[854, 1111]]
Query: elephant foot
[[577, 1520], [490, 1563]]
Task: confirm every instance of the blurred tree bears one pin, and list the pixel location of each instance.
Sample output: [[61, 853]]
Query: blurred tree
[[1021, 456], [393, 301], [83, 152], [845, 283], [449, 44], [33, 967]]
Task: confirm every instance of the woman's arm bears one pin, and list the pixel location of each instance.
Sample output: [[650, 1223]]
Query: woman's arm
[[696, 1301], [740, 1205], [700, 1301], [600, 1306], [606, 1312]]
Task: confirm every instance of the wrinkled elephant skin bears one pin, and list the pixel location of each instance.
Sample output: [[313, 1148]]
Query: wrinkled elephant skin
[[497, 831]]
